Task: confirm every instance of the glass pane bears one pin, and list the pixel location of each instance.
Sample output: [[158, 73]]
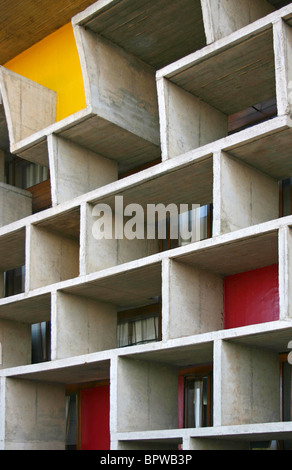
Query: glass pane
[[71, 422], [196, 402]]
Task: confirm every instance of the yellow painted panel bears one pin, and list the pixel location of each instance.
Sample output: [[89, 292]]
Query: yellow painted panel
[[54, 63]]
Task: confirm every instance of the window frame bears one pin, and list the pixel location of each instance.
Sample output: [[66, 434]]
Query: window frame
[[192, 373]]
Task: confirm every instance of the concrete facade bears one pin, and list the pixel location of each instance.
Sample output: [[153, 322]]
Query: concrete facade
[[165, 94]]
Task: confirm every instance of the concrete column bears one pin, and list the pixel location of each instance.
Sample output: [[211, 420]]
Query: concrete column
[[283, 65], [82, 326], [114, 247], [15, 340], [250, 385], [15, 204], [34, 415], [75, 170], [223, 17], [187, 122], [148, 396], [52, 258], [195, 301], [246, 196]]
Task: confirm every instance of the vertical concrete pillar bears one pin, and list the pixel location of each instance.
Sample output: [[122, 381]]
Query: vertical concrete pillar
[[144, 402], [195, 301], [249, 385], [186, 122], [223, 17], [52, 257], [81, 326], [104, 241], [244, 196], [75, 170], [11, 334], [283, 65], [15, 204], [34, 415]]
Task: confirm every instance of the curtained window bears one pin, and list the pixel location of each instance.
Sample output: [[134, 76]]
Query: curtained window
[[138, 326]]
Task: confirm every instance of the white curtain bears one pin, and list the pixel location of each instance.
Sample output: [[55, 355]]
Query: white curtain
[[193, 225], [142, 331]]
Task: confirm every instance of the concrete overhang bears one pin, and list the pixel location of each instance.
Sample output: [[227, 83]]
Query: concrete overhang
[[157, 32]]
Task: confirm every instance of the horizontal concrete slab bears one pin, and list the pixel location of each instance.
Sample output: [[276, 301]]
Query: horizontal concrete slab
[[133, 26]]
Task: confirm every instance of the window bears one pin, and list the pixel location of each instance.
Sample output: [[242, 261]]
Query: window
[[139, 326], [187, 220], [40, 342], [285, 195], [195, 397], [254, 115], [30, 176], [14, 281]]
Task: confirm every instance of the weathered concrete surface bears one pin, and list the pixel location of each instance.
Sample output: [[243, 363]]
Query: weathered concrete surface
[[196, 301], [15, 204], [82, 326], [15, 342], [249, 388], [28, 106], [246, 197], [224, 17], [75, 170], [33, 415], [144, 402], [53, 258]]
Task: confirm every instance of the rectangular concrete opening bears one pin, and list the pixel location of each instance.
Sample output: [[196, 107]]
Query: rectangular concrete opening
[[22, 341], [54, 249], [133, 315], [12, 266], [201, 96]]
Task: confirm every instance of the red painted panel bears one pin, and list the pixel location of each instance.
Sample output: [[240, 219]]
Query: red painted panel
[[95, 430], [251, 297]]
